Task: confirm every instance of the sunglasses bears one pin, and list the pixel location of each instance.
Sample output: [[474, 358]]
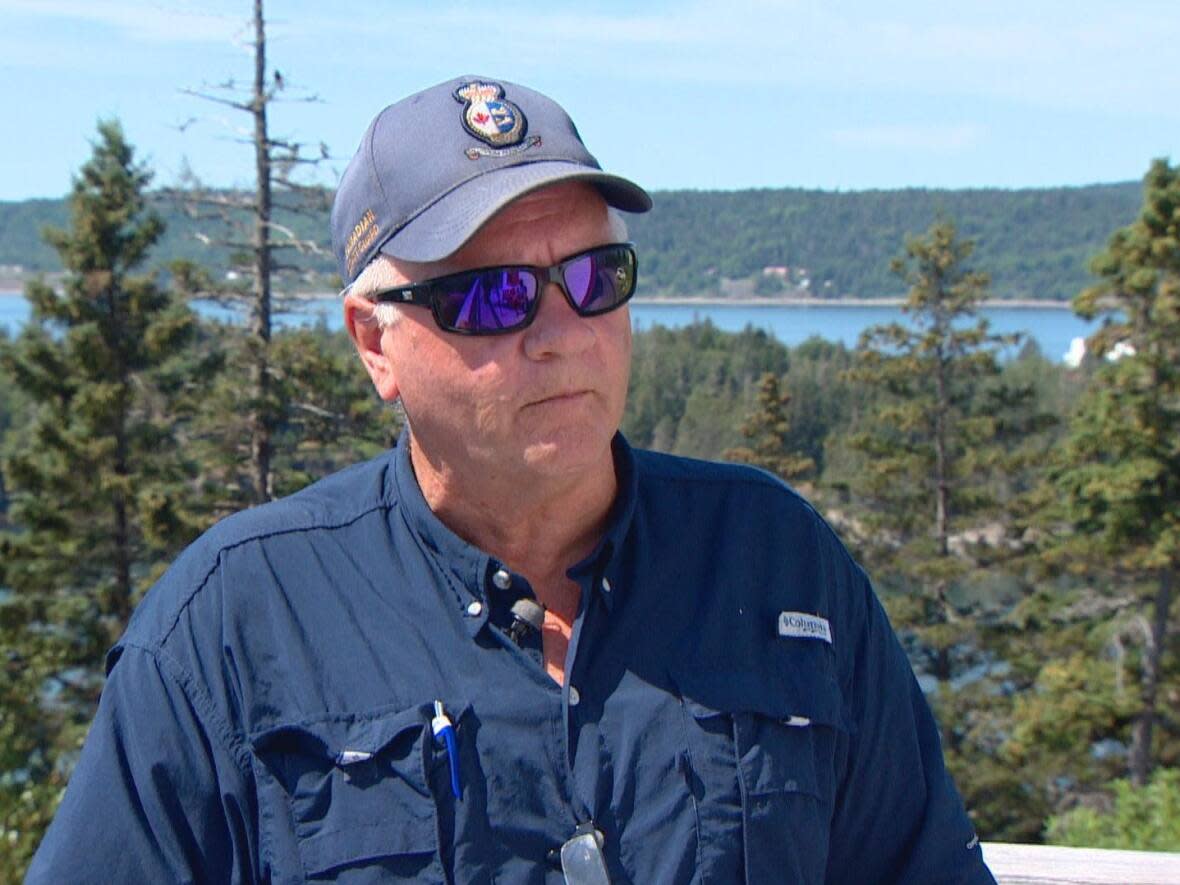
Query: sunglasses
[[499, 300]]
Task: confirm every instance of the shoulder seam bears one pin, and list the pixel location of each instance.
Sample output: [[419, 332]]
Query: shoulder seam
[[384, 504], [202, 703], [749, 476]]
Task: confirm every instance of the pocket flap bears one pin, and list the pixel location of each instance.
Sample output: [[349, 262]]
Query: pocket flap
[[795, 686], [349, 738]]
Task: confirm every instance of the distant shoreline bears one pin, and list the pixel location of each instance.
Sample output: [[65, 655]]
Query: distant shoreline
[[697, 301], [795, 301]]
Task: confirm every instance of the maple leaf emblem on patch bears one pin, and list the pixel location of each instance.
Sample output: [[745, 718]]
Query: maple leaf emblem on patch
[[490, 117]]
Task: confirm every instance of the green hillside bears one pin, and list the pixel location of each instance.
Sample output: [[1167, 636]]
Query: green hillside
[[1035, 243]]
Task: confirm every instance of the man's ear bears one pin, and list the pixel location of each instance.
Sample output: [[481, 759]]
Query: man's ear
[[360, 319]]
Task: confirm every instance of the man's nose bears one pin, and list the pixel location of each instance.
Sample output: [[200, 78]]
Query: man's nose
[[557, 329]]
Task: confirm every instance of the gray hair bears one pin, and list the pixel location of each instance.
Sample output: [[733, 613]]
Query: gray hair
[[380, 274]]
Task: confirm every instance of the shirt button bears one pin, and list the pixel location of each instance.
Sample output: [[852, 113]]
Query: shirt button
[[575, 698], [605, 585], [502, 579], [474, 608]]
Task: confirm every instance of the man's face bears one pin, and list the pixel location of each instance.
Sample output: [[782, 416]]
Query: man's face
[[544, 401]]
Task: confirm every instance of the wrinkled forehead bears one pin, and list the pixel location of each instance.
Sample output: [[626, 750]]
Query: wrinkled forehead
[[546, 207]]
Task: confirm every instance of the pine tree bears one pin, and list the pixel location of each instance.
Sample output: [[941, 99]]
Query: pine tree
[[329, 416], [928, 442], [1119, 473], [930, 466], [768, 434], [96, 479]]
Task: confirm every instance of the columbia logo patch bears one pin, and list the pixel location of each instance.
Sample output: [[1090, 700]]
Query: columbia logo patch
[[797, 625]]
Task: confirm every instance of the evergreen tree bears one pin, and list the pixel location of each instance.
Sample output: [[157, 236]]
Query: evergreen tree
[[1091, 649], [928, 440], [929, 464], [1119, 474], [768, 434], [329, 415], [96, 479]]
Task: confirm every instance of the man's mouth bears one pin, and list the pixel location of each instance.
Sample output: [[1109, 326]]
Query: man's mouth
[[559, 397]]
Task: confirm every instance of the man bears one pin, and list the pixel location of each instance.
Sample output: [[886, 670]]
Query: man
[[513, 649]]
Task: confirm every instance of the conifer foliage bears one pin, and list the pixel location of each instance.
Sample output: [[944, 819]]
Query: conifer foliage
[[1120, 479], [767, 431], [923, 436], [96, 479], [933, 464]]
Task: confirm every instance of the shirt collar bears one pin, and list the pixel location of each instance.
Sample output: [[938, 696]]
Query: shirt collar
[[463, 566], [601, 566]]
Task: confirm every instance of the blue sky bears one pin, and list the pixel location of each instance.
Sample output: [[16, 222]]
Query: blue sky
[[742, 93]]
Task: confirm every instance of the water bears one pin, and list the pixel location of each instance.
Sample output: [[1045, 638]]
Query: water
[[1052, 328]]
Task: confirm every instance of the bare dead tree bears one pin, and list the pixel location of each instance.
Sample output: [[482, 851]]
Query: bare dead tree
[[246, 223]]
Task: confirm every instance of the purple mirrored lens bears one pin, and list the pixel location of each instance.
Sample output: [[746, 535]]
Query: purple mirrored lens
[[601, 280], [491, 301], [579, 279]]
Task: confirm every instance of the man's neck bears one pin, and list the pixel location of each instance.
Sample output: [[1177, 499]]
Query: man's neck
[[537, 528]]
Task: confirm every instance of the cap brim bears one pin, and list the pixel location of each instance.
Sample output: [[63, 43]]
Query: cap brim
[[442, 228]]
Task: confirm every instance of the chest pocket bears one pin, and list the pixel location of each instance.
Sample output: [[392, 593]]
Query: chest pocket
[[777, 728], [356, 791]]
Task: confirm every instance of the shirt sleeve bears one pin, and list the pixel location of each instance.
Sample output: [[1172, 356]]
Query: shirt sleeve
[[158, 794], [897, 812]]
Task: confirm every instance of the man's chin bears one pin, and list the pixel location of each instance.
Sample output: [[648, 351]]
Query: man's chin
[[567, 454]]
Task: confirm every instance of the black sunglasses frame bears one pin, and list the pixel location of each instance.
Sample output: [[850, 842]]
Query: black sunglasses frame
[[427, 293]]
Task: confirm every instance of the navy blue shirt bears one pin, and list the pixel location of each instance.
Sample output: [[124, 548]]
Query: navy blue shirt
[[736, 705]]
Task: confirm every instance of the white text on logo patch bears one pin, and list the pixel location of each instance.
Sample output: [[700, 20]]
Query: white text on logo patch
[[798, 625]]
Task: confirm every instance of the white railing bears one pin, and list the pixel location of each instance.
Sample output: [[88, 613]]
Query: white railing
[[1049, 865]]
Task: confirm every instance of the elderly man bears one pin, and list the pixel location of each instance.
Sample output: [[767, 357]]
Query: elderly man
[[512, 649]]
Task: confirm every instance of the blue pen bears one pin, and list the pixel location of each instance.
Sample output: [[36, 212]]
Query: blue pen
[[444, 731]]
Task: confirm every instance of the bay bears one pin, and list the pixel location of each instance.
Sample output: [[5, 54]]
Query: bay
[[1053, 329]]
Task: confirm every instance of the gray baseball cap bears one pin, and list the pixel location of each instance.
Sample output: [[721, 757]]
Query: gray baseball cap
[[434, 167]]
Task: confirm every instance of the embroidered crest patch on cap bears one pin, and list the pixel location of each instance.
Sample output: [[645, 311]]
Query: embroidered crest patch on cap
[[489, 116]]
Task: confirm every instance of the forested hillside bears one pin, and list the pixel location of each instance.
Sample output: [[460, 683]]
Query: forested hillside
[[1034, 243]]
